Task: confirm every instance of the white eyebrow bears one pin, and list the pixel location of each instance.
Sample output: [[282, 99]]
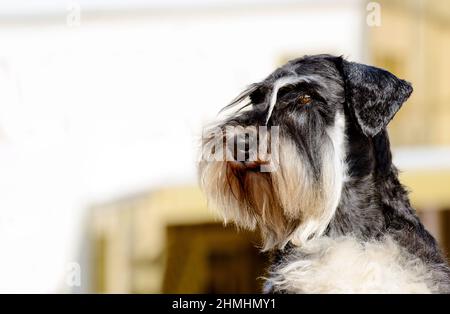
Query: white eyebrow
[[283, 82]]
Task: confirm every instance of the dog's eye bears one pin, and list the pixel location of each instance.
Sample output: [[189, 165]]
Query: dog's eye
[[304, 99]]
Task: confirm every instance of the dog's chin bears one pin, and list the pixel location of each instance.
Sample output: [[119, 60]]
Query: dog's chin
[[246, 196]]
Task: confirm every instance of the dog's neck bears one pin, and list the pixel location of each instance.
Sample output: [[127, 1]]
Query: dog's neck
[[372, 198]]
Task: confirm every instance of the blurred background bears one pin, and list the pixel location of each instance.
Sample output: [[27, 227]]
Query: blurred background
[[101, 108]]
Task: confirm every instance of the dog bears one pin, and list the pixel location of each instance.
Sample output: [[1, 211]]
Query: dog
[[323, 191]]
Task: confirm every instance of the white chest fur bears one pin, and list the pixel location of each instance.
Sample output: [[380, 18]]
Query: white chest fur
[[345, 265]]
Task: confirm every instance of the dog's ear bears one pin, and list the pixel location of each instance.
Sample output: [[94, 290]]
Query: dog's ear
[[373, 94]]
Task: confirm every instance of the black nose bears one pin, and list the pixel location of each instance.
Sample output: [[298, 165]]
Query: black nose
[[241, 147]]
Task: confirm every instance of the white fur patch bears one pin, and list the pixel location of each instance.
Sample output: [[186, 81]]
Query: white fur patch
[[345, 265], [333, 173]]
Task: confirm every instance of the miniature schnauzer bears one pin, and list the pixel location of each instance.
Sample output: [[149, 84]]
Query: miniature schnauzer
[[322, 189]]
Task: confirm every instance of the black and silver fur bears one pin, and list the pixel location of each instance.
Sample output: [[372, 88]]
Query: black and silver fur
[[352, 200]]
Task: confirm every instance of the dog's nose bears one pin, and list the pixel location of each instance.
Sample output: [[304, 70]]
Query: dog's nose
[[241, 148]]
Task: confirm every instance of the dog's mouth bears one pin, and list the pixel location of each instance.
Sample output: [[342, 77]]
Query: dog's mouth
[[250, 165]]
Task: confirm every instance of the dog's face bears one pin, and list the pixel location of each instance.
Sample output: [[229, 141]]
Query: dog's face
[[279, 161]]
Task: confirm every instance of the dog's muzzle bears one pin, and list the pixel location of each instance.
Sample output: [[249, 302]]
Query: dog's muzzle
[[245, 152]]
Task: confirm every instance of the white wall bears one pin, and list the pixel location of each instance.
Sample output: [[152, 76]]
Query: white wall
[[114, 106]]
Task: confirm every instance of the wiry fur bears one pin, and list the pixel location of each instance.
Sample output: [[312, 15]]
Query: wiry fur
[[345, 265], [334, 213]]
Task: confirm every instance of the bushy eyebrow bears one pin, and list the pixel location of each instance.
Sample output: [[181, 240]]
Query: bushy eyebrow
[[289, 80], [272, 91]]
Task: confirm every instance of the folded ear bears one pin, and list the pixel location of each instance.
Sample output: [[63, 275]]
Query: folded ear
[[374, 95]]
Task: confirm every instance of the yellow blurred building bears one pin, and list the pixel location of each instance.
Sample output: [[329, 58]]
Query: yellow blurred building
[[413, 42]]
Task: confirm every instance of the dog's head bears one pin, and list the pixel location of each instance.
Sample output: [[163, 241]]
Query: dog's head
[[279, 160]]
